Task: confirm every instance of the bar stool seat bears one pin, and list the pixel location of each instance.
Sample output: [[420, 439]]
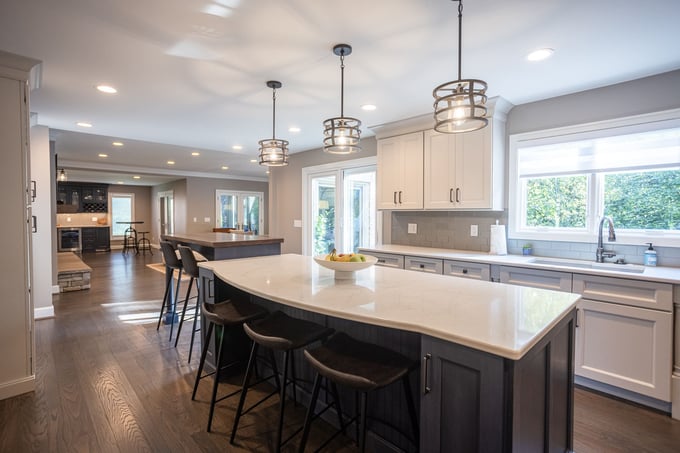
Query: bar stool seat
[[363, 367], [278, 332], [223, 314]]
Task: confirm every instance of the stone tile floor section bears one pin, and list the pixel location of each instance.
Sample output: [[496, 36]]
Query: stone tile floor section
[[72, 273]]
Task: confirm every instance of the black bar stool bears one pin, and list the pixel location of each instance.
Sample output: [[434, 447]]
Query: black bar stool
[[130, 240], [144, 245], [173, 263], [278, 332], [363, 367], [224, 315], [190, 267]]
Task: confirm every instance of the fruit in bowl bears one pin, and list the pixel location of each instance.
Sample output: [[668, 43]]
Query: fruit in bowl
[[345, 257], [344, 264]]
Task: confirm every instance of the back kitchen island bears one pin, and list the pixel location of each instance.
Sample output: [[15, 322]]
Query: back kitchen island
[[497, 370]]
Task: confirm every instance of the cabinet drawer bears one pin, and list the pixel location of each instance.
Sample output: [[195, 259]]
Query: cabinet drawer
[[388, 260], [466, 269], [658, 296], [420, 264], [558, 281], [628, 347]]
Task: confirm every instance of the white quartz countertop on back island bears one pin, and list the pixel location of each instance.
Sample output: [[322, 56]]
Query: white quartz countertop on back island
[[501, 319]]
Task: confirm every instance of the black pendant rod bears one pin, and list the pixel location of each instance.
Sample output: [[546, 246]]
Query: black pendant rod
[[460, 37]]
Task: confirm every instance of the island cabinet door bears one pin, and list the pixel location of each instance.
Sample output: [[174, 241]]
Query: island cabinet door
[[462, 399]]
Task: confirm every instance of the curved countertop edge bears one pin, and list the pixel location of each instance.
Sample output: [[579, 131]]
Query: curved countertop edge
[[652, 273], [448, 335], [221, 240]]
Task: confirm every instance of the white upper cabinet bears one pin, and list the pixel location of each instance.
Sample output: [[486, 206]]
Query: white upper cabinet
[[400, 172]]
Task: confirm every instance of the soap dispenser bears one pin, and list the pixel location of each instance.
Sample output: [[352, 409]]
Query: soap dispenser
[[650, 255]]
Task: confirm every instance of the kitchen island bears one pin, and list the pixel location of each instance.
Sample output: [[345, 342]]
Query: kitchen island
[[221, 246], [497, 360]]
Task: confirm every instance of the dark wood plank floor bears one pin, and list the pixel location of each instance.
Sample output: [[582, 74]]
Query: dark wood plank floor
[[107, 381]]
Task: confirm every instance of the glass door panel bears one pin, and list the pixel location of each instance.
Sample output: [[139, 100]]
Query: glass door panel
[[323, 219], [251, 213], [227, 212], [360, 210]]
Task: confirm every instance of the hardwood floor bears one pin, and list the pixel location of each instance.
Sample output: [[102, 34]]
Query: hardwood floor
[[107, 381]]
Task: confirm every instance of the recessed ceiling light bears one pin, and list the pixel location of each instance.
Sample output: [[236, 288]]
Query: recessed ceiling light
[[237, 147], [293, 129], [540, 54], [224, 167], [108, 89], [136, 177], [117, 144], [103, 155], [195, 153], [267, 172], [119, 182], [253, 161], [83, 124], [171, 162], [368, 107]]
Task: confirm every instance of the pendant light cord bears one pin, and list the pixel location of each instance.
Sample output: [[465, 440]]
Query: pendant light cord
[[460, 37], [342, 84], [274, 113]]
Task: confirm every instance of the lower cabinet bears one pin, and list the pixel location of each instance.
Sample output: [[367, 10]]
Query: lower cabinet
[[386, 259], [467, 269], [420, 264], [95, 239], [473, 401]]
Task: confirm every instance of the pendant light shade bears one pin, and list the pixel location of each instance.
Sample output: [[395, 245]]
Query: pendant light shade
[[273, 151], [459, 106], [62, 177], [342, 134]]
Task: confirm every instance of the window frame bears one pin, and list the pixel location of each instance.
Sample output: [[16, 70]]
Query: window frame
[[620, 126], [239, 194], [113, 195]]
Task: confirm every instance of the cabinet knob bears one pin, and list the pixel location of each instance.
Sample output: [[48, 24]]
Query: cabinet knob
[[465, 271]]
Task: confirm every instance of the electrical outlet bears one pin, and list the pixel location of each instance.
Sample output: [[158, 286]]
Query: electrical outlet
[[195, 220], [412, 228], [206, 219], [474, 230]]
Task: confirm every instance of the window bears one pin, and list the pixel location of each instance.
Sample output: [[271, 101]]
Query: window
[[340, 206], [122, 210], [239, 210], [563, 181]]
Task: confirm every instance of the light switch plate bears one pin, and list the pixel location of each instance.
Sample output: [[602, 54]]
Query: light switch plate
[[206, 219], [297, 223], [474, 230], [412, 228]]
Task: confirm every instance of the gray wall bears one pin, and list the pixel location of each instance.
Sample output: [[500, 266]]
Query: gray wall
[[285, 191], [449, 229]]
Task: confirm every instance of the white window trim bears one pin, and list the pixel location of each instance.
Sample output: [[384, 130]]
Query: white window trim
[[239, 194], [631, 124], [320, 170], [132, 207]]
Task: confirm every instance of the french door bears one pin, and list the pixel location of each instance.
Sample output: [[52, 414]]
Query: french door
[[239, 210], [340, 207]]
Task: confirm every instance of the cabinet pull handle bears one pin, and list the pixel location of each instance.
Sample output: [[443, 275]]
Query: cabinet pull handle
[[465, 271], [395, 196], [400, 197], [380, 260], [33, 191], [424, 374], [451, 195], [457, 194], [577, 310], [35, 224]]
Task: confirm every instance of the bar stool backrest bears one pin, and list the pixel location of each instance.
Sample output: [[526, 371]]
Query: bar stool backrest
[[169, 255], [188, 261]]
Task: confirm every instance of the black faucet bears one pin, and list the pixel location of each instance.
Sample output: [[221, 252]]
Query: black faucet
[[601, 254]]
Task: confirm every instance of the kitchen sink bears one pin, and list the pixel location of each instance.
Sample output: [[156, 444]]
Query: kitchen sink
[[614, 267]]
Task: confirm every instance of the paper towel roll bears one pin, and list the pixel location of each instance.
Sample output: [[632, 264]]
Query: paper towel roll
[[498, 243]]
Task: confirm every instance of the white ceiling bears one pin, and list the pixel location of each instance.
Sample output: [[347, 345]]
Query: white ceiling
[[196, 81]]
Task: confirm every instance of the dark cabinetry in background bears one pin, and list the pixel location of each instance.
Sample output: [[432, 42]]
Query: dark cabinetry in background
[[95, 239], [82, 197]]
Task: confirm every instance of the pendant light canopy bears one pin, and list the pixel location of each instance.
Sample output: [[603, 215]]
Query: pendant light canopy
[[273, 152], [342, 134], [459, 106]]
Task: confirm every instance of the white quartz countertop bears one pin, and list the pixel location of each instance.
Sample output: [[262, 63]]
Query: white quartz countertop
[[501, 319], [649, 273]]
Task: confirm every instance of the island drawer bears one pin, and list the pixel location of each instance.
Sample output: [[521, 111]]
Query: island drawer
[[387, 259], [420, 264], [466, 269], [637, 293]]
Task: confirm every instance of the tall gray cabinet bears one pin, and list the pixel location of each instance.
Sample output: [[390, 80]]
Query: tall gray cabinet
[[17, 371]]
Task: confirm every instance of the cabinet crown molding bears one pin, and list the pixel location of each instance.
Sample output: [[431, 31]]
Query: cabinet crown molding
[[497, 108]]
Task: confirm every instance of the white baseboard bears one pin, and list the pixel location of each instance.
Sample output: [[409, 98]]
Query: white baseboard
[[55, 289], [44, 312], [675, 397], [17, 387]]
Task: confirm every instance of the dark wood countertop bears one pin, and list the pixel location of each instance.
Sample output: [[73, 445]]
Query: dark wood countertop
[[221, 240]]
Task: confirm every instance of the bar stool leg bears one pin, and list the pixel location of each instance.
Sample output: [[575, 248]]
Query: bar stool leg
[[193, 327], [204, 352], [336, 397], [216, 380], [165, 298], [292, 373], [286, 355], [244, 390], [184, 309], [310, 413], [174, 304]]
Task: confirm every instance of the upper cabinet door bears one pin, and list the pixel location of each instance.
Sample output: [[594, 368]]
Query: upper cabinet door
[[440, 170], [473, 169], [400, 172]]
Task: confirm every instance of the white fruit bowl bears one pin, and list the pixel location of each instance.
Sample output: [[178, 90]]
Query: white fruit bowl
[[343, 269]]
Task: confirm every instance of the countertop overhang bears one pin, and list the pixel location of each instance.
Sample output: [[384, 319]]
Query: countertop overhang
[[500, 319], [221, 240]]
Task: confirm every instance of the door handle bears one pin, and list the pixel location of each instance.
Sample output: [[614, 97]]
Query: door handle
[[424, 373], [34, 228], [395, 196], [457, 195], [451, 195]]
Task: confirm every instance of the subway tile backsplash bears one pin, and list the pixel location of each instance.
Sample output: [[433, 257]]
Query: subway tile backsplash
[[451, 230]]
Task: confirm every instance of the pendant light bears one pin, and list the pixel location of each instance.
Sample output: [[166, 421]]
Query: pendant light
[[459, 106], [62, 176], [342, 134], [273, 152]]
